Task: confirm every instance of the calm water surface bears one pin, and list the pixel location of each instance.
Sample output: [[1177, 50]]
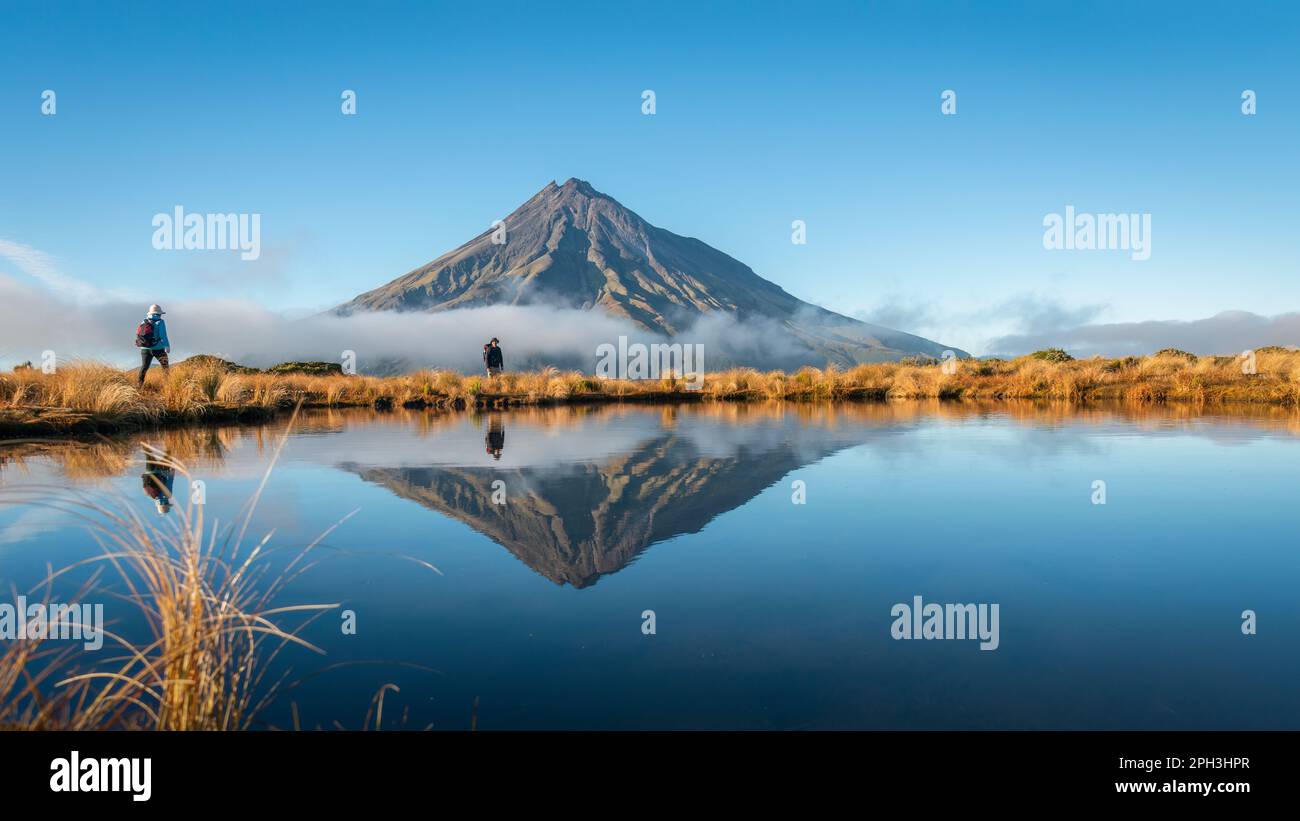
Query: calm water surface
[[769, 614]]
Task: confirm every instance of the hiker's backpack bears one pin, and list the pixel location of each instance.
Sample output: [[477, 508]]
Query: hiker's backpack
[[145, 335]]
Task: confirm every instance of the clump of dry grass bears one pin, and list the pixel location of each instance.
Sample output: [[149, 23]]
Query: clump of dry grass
[[206, 599]]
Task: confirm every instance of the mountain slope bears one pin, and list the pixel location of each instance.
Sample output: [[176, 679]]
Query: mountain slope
[[572, 246]]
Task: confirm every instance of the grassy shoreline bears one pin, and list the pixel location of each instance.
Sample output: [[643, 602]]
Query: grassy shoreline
[[89, 398]]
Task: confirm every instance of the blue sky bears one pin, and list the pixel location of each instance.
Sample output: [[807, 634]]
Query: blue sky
[[766, 113]]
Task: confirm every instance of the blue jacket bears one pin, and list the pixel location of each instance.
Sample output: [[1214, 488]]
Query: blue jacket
[[160, 332]]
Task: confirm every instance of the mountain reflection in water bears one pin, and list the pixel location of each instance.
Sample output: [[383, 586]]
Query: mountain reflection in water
[[582, 491], [577, 521], [770, 615]]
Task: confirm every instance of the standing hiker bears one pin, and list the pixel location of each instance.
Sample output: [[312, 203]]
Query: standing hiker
[[151, 339], [492, 358]]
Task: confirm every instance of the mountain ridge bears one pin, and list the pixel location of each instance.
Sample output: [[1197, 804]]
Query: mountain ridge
[[573, 246]]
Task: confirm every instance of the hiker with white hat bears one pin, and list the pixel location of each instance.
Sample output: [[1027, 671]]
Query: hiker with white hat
[[151, 339]]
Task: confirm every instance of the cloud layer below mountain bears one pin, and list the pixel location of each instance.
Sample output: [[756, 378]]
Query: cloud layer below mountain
[[1224, 333], [33, 319], [1030, 322], [51, 311]]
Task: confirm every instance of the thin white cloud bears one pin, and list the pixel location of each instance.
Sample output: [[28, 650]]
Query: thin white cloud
[[42, 267], [45, 270]]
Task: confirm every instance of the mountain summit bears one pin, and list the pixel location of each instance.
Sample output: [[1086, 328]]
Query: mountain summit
[[572, 246]]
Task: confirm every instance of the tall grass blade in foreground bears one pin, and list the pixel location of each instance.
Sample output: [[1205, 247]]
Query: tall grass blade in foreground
[[205, 596]]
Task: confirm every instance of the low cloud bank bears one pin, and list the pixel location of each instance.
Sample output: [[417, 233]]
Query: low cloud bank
[[1030, 322], [34, 320], [1225, 333], [1024, 314]]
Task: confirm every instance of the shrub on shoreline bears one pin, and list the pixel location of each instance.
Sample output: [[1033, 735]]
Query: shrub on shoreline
[[1052, 355]]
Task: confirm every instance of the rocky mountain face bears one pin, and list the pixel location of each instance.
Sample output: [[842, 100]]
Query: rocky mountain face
[[572, 246]]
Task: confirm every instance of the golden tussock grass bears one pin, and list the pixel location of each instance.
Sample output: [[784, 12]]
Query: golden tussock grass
[[207, 598], [208, 390]]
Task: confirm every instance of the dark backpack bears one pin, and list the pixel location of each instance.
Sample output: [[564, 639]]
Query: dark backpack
[[145, 335]]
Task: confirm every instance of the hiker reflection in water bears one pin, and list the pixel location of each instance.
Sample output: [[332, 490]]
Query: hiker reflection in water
[[158, 477], [495, 440]]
